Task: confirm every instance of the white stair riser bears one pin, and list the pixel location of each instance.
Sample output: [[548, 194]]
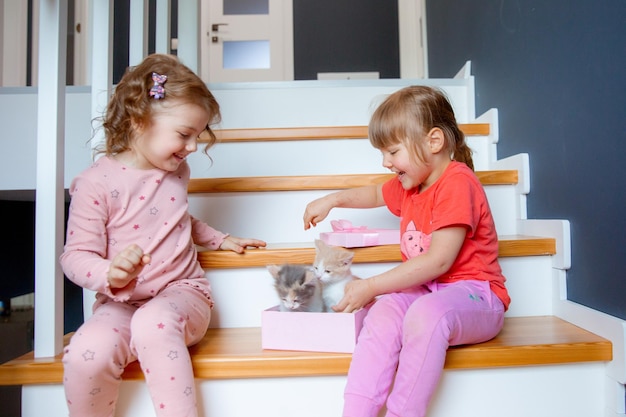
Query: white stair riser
[[505, 203], [482, 151], [284, 158], [304, 157], [276, 216], [325, 104], [540, 391], [242, 294], [529, 282]]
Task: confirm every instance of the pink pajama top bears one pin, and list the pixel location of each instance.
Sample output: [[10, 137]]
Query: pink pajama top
[[114, 206]]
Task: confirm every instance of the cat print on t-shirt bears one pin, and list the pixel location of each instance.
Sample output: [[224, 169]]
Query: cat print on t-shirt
[[414, 242]]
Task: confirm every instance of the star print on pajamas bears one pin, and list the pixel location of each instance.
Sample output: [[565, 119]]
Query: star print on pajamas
[[88, 355]]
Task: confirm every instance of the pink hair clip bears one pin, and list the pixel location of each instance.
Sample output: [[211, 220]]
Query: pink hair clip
[[157, 91]]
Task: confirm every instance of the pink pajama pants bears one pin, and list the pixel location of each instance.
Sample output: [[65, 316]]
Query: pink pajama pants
[[407, 335], [157, 334]]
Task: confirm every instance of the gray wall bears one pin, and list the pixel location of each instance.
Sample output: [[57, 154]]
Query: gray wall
[[556, 71], [345, 36]]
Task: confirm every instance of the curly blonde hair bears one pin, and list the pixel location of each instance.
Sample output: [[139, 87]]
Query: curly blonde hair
[[131, 104]]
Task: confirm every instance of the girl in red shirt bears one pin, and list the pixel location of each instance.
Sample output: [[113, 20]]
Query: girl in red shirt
[[449, 290]]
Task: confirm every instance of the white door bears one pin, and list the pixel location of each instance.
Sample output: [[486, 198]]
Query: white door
[[246, 40]]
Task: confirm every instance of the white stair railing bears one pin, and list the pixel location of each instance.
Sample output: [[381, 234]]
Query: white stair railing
[[49, 215]]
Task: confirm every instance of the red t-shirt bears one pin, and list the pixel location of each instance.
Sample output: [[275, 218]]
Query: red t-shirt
[[457, 198]]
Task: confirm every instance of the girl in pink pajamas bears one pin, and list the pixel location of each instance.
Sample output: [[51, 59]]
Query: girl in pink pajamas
[[131, 239], [449, 290]]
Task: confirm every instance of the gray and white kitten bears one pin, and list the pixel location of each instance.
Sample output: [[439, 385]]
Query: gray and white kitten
[[332, 267], [297, 288]]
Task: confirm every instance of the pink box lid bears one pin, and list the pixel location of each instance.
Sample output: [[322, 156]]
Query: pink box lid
[[348, 236]]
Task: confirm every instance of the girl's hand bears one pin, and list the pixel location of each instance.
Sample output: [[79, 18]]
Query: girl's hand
[[357, 295], [368, 196], [126, 266], [316, 211], [238, 244]]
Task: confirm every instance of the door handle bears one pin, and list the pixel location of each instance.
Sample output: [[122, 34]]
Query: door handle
[[215, 27]]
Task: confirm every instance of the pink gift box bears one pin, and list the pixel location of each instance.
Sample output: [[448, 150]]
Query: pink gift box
[[313, 332], [348, 236]]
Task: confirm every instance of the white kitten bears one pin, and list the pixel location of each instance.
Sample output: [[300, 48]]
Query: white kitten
[[332, 267]]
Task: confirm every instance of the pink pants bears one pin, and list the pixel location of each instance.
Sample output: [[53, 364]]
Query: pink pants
[[157, 334], [407, 334]]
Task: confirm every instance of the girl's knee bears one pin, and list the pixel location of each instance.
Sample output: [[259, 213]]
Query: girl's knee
[[90, 356], [151, 327], [427, 309], [172, 318]]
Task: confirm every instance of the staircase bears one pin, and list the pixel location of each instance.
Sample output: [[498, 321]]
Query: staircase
[[284, 144]]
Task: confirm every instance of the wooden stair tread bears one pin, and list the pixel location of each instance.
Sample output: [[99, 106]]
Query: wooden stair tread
[[318, 182], [305, 253], [236, 353], [320, 133]]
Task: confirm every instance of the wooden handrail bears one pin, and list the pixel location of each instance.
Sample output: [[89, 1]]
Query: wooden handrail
[[320, 133], [318, 182]]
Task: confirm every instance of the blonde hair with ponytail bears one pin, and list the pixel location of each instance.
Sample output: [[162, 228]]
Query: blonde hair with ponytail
[[409, 114]]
